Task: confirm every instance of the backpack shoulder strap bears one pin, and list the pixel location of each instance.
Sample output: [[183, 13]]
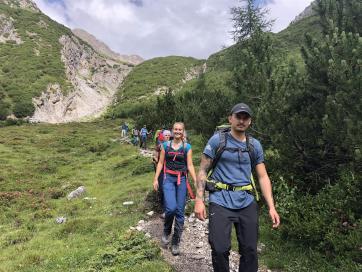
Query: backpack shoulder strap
[[168, 145], [223, 134], [251, 151], [184, 147]]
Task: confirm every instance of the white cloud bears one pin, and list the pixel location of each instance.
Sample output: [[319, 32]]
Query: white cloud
[[153, 28]]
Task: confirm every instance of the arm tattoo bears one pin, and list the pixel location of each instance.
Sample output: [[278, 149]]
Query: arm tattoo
[[205, 166]]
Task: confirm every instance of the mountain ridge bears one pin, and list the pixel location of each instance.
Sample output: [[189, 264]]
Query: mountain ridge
[[104, 49]]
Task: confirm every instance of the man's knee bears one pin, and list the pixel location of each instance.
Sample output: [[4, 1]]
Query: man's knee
[[219, 252], [219, 248], [248, 252]]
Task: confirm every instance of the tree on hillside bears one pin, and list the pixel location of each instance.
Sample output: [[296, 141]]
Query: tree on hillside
[[166, 107], [206, 105], [313, 117], [249, 19], [345, 15], [253, 54]]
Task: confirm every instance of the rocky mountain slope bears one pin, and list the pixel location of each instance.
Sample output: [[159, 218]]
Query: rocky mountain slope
[[307, 12], [47, 72], [94, 80], [103, 49]]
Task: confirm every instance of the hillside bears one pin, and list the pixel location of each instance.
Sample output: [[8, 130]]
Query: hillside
[[42, 164], [48, 73], [288, 42], [152, 78]]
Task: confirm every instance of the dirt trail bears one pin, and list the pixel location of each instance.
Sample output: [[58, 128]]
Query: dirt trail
[[195, 250]]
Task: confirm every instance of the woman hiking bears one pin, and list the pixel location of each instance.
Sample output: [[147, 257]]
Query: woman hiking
[[176, 161], [166, 134]]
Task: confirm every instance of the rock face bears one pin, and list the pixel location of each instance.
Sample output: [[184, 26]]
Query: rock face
[[194, 72], [7, 30], [308, 11], [103, 49], [94, 79]]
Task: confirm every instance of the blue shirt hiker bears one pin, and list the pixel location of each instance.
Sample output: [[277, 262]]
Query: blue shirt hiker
[[226, 172]]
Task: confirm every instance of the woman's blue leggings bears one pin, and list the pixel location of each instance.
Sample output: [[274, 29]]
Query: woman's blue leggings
[[174, 201]]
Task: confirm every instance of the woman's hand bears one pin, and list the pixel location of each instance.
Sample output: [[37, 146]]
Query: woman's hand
[[155, 185]]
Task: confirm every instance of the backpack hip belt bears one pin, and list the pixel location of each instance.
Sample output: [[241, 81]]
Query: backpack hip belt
[[175, 173], [218, 186]]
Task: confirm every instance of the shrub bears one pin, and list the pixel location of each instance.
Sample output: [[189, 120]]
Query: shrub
[[329, 221], [23, 109], [4, 110]]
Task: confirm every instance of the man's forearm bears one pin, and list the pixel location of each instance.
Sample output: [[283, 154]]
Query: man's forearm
[[205, 166], [266, 189], [200, 184]]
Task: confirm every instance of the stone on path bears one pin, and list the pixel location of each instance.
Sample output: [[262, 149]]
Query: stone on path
[[61, 220], [150, 213], [76, 193], [128, 203]]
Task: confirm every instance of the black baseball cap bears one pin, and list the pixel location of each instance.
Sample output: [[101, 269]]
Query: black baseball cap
[[241, 107]]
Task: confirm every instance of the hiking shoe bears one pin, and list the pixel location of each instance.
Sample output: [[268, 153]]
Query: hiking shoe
[[175, 250], [162, 216], [164, 240]]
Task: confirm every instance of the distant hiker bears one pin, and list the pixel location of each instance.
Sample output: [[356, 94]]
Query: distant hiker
[[231, 156], [124, 129], [176, 162], [159, 135], [143, 137], [156, 156], [135, 136]]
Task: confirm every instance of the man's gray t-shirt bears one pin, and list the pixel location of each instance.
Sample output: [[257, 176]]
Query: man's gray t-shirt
[[233, 168]]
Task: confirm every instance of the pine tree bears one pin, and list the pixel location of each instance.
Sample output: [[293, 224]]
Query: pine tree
[[253, 55], [317, 132], [342, 14]]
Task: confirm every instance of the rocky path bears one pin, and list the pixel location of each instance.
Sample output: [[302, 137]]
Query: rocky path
[[195, 250]]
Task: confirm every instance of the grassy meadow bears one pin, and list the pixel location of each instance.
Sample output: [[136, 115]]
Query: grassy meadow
[[40, 165]]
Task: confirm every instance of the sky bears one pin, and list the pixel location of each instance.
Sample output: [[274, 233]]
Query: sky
[[155, 28]]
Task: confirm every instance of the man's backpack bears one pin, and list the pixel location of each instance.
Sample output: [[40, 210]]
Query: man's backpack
[[223, 136], [224, 132]]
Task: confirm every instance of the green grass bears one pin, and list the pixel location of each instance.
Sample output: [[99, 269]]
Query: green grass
[[41, 164], [139, 86], [158, 72]]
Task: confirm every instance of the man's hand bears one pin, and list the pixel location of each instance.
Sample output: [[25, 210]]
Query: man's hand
[[200, 210], [274, 217], [155, 185]]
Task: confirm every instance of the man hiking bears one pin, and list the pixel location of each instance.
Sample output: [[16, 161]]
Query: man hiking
[[135, 136], [124, 129], [231, 155], [143, 135]]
